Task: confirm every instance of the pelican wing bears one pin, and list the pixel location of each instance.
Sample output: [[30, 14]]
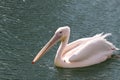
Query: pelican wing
[[87, 50], [90, 47]]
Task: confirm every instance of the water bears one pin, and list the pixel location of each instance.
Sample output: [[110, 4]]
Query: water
[[26, 25]]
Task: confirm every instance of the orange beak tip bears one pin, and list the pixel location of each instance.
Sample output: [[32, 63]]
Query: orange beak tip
[[33, 62]]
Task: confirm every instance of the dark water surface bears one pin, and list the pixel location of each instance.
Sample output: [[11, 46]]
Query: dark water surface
[[26, 25]]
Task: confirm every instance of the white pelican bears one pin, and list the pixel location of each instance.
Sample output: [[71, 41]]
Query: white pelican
[[80, 53]]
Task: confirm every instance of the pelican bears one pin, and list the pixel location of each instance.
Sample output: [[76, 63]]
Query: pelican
[[80, 53]]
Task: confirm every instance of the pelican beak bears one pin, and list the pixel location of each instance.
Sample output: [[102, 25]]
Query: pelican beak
[[52, 41]]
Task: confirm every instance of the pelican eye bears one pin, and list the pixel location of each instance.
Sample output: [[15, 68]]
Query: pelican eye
[[60, 32]]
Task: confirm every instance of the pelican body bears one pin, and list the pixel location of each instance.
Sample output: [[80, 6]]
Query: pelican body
[[80, 53]]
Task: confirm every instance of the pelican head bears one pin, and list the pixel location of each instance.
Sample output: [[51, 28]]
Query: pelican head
[[60, 35]]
